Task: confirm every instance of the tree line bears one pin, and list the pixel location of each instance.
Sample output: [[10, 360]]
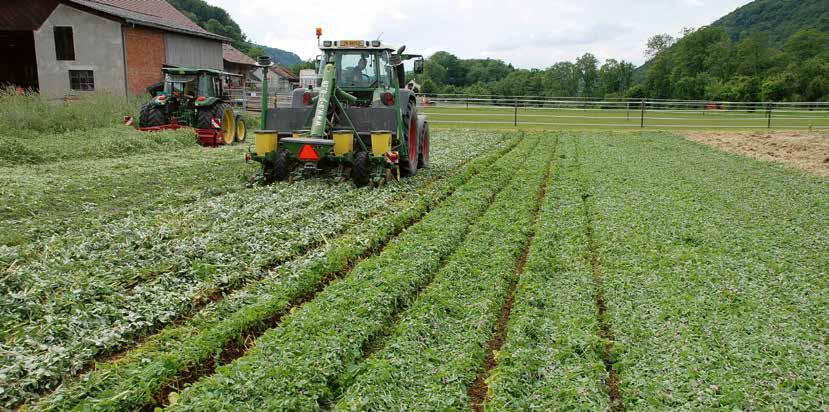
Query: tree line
[[703, 64]]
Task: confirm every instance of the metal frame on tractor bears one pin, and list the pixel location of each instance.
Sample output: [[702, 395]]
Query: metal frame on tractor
[[194, 98], [370, 133]]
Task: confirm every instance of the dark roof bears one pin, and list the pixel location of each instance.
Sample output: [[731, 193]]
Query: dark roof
[[25, 15], [281, 71], [233, 55], [151, 13]]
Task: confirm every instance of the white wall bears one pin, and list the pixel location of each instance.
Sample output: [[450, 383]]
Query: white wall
[[98, 47]]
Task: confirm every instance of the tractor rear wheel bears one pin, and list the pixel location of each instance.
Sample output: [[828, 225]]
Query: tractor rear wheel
[[408, 166], [361, 169], [221, 112], [152, 116]]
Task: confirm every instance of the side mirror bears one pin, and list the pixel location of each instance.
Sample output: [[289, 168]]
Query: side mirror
[[418, 66], [401, 49]]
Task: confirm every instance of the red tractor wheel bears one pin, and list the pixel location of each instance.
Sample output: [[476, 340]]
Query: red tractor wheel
[[408, 166], [424, 147]]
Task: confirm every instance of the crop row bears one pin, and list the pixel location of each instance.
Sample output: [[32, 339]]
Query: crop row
[[91, 294], [134, 380], [294, 365], [552, 357], [715, 275], [438, 346]]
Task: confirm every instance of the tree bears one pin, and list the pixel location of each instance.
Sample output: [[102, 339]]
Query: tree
[[658, 43], [806, 44], [586, 67], [615, 77], [752, 54], [658, 80]]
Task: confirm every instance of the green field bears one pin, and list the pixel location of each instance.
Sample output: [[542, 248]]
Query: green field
[[524, 270], [459, 116]]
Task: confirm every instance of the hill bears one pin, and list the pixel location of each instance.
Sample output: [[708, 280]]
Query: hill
[[216, 20], [282, 57], [780, 19]]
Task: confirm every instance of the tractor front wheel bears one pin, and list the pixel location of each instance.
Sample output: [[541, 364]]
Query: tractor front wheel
[[152, 116], [241, 129], [361, 169], [224, 115]]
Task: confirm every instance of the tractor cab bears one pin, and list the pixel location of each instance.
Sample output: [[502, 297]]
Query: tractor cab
[[201, 85], [365, 69]]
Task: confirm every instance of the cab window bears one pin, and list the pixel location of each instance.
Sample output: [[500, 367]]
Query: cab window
[[385, 70], [357, 69]]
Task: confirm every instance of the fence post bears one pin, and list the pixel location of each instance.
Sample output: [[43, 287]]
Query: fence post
[[467, 102], [642, 122], [769, 115], [628, 110], [515, 119]]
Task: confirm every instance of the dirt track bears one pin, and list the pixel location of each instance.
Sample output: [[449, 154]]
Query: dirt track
[[808, 151]]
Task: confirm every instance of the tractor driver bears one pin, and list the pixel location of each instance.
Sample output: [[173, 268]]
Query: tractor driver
[[355, 74]]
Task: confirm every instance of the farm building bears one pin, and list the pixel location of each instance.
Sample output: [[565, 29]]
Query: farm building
[[66, 47], [280, 80], [237, 62]]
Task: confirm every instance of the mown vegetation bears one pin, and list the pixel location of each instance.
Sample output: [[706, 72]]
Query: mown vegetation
[[113, 233]]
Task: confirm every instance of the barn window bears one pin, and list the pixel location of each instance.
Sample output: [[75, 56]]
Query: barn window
[[64, 43], [82, 80]]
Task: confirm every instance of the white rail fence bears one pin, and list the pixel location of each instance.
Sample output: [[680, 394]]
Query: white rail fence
[[251, 101], [632, 113]]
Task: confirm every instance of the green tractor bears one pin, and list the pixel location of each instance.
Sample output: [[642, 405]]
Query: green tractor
[[195, 98], [359, 123]]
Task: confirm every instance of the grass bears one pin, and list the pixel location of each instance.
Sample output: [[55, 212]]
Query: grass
[[31, 114], [548, 118]]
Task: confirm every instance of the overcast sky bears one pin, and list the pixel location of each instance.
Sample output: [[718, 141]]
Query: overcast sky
[[526, 33]]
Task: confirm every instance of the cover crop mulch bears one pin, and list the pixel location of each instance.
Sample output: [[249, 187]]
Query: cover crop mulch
[[808, 151]]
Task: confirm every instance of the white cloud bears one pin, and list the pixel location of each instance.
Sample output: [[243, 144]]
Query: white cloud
[[526, 33]]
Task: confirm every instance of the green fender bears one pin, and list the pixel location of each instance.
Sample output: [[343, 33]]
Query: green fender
[[207, 102]]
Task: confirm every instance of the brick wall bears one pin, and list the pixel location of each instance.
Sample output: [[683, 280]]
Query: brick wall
[[145, 58]]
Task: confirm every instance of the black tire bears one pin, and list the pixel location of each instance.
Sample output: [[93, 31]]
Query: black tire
[[152, 116], [425, 147], [281, 166], [361, 169], [408, 167], [206, 114]]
